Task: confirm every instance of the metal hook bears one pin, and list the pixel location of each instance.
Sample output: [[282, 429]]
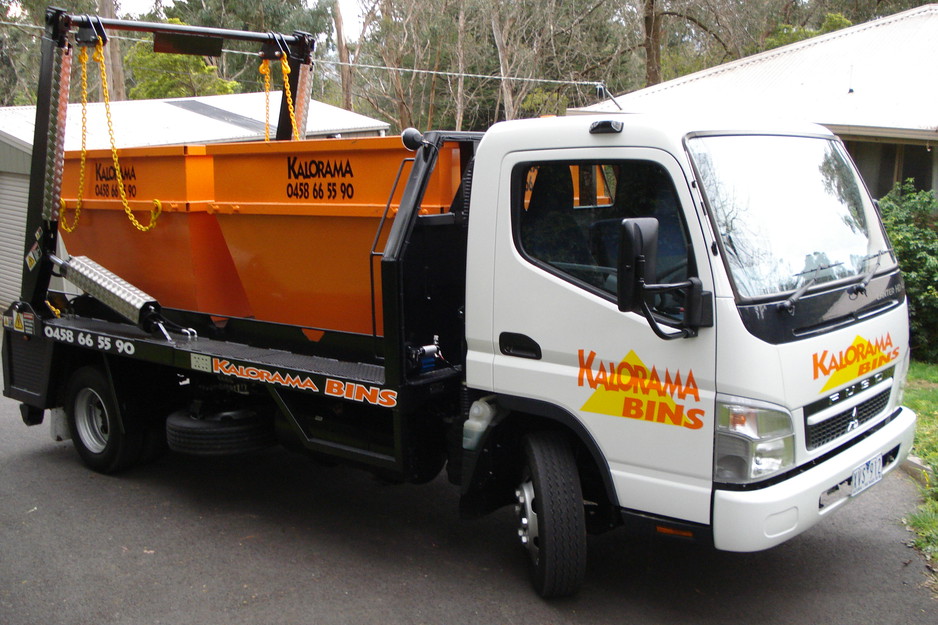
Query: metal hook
[[90, 31]]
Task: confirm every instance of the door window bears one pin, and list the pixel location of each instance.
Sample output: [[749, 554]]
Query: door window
[[568, 216]]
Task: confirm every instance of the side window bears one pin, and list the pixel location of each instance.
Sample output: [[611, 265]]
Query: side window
[[568, 216]]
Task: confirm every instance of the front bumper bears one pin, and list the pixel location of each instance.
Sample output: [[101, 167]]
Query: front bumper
[[757, 519]]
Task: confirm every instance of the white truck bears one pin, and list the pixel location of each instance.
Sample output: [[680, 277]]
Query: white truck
[[692, 328]]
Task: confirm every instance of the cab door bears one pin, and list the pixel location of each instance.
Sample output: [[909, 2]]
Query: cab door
[[559, 337]]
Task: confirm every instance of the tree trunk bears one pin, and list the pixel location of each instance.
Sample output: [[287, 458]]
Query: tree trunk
[[113, 57], [504, 67], [345, 70], [652, 45], [460, 66]]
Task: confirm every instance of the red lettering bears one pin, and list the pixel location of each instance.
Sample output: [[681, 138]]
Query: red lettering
[[622, 386], [632, 408], [586, 369], [650, 410], [387, 398], [369, 395], [671, 387], [819, 368], [693, 419], [654, 382], [334, 388], [601, 376], [672, 416], [690, 388], [852, 354]]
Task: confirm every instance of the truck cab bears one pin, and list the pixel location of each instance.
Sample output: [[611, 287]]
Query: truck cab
[[711, 309]]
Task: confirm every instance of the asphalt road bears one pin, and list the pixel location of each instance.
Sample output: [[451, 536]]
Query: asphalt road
[[274, 538]]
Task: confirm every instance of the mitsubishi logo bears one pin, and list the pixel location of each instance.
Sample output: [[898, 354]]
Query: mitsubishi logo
[[854, 421]]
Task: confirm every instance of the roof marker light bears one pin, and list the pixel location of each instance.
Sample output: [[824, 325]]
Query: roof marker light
[[607, 126]]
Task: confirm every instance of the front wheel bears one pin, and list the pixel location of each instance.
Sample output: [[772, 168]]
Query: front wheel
[[103, 442], [552, 525]]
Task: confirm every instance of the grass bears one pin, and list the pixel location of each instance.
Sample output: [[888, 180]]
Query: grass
[[921, 395]]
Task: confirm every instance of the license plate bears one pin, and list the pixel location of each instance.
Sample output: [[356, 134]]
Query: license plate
[[867, 474]]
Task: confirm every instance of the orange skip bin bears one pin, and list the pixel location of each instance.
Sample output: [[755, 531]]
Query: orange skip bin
[[183, 261], [300, 219]]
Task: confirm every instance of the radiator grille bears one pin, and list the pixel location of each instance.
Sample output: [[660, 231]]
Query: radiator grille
[[838, 425]]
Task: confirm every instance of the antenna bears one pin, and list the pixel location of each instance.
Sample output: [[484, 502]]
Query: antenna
[[603, 93]]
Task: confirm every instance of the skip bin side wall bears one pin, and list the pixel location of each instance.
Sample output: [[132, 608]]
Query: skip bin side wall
[[280, 232]]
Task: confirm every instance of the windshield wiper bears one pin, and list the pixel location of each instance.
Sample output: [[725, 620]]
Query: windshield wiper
[[860, 287], [789, 304]]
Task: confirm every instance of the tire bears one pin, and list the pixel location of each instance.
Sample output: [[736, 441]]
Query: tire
[[104, 440], [551, 518], [221, 434]]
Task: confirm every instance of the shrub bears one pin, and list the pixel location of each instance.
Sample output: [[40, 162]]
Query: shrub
[[911, 219]]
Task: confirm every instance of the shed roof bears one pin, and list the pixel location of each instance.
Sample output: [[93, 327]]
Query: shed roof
[[208, 119], [873, 79]]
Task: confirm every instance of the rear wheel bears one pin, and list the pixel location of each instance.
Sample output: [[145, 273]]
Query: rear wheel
[[103, 441], [551, 521]]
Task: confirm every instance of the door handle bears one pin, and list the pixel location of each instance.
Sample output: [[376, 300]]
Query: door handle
[[519, 345]]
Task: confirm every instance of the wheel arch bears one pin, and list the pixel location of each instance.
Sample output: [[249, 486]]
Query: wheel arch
[[489, 475], [131, 382]]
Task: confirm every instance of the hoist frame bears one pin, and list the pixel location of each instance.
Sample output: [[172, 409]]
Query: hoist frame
[[42, 213]]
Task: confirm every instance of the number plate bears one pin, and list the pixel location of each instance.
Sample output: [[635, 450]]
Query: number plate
[[867, 474]]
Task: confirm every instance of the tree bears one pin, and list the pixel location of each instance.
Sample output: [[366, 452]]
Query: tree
[[17, 76], [409, 36], [20, 49], [517, 44], [115, 60], [787, 33], [682, 36], [159, 75], [467, 63], [345, 70], [280, 16]]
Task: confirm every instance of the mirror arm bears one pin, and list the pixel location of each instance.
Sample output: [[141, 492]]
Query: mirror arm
[[683, 333], [692, 313]]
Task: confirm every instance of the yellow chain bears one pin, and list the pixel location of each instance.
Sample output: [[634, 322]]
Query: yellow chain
[[157, 206], [55, 311], [83, 59], [265, 72], [285, 67]]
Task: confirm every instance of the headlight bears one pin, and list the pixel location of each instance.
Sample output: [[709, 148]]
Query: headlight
[[754, 440]]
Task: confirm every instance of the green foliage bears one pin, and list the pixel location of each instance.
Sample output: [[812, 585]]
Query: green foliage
[[172, 75], [19, 46], [543, 102], [921, 395], [911, 218], [785, 34], [925, 523], [279, 16]]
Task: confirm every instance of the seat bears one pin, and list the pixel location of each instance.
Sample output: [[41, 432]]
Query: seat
[[548, 230]]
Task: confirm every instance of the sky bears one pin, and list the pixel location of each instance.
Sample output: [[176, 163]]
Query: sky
[[350, 12]]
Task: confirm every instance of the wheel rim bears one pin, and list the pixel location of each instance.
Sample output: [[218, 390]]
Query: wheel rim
[[91, 420], [528, 530]]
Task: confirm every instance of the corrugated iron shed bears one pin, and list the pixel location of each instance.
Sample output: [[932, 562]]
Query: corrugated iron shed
[[875, 79], [209, 119]]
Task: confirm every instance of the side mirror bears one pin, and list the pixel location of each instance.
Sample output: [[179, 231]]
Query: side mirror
[[638, 252]]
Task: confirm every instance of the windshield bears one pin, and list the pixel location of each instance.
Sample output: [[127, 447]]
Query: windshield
[[791, 212]]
